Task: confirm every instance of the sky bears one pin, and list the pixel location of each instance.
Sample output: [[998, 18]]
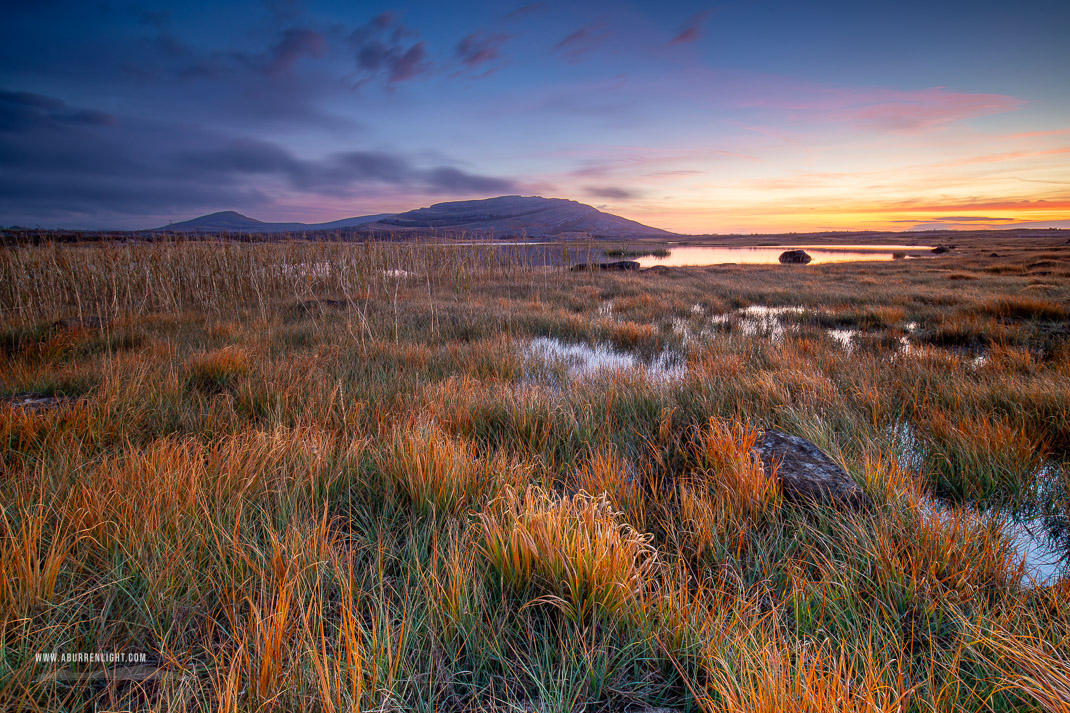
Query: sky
[[744, 116]]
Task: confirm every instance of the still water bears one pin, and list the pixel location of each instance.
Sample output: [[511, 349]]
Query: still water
[[696, 256]]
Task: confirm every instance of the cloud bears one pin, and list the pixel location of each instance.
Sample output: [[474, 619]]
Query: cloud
[[479, 48], [692, 29], [446, 179], [293, 45], [888, 110], [59, 170], [22, 110], [386, 48], [611, 192], [577, 44]]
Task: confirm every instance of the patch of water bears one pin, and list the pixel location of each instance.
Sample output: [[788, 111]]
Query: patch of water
[[845, 337], [585, 361], [1034, 539], [697, 256], [1042, 553]]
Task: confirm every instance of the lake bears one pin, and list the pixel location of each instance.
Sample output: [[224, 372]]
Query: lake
[[696, 255]]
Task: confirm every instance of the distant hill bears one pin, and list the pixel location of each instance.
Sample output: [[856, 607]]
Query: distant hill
[[229, 221], [515, 215], [505, 216]]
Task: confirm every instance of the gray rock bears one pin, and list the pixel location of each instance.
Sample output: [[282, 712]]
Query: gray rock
[[618, 266], [807, 474], [794, 257], [37, 402]]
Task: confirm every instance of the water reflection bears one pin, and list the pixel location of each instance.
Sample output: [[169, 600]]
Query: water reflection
[[697, 256], [583, 360]]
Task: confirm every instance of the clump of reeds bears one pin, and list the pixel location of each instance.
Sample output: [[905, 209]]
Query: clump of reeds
[[431, 470], [979, 456], [728, 490], [574, 552], [217, 370], [605, 472], [31, 559], [1025, 307]]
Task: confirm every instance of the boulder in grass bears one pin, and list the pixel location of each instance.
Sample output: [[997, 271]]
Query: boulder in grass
[[35, 402], [806, 474], [794, 257], [618, 266]]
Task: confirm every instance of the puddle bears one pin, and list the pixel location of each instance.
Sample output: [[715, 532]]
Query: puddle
[[699, 256], [1038, 541], [845, 337], [756, 320], [1042, 552], [582, 360]]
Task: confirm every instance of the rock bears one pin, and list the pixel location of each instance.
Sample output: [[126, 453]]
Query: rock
[[940, 249], [619, 266], [807, 474], [36, 402], [794, 257]]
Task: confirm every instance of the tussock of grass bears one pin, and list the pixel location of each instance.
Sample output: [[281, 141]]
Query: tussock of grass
[[574, 552], [217, 370], [434, 472]]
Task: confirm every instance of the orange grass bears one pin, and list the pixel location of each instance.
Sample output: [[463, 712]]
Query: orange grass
[[572, 551]]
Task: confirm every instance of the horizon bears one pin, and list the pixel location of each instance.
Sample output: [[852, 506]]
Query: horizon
[[749, 118]]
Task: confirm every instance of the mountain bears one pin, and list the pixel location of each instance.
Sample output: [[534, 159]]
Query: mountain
[[229, 221], [533, 216], [504, 216]]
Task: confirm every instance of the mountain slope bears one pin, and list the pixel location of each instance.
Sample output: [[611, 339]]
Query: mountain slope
[[229, 221], [504, 216], [515, 215]]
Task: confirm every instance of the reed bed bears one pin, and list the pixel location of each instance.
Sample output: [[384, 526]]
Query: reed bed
[[330, 476]]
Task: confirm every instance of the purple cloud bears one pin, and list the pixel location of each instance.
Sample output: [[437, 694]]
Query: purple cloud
[[480, 48], [692, 29], [292, 46], [386, 47], [574, 46], [610, 192]]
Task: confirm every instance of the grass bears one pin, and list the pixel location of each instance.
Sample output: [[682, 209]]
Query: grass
[[328, 476]]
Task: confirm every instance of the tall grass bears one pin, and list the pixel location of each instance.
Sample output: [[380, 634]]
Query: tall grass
[[313, 476], [573, 552]]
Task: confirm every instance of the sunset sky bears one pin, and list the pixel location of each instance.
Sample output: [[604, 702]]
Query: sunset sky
[[695, 117]]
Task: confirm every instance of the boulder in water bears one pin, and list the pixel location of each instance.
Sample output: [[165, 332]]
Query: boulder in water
[[794, 257]]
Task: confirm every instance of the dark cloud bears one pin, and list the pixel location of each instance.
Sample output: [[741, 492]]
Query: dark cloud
[[292, 46], [445, 179], [21, 110], [575, 45], [692, 29], [480, 48], [611, 192], [63, 165], [339, 173], [386, 48]]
